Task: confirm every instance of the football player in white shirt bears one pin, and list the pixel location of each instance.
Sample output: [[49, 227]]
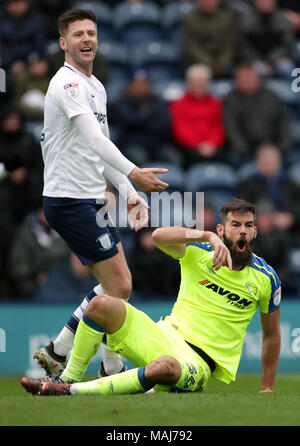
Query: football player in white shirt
[[77, 154]]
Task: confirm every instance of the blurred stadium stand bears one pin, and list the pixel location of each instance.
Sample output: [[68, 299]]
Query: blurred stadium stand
[[172, 14], [217, 180], [104, 14], [137, 22], [160, 59]]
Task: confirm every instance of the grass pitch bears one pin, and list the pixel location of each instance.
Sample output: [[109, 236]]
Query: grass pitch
[[238, 404]]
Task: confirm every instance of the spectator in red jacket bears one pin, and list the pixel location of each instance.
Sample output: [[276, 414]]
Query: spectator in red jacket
[[197, 119]]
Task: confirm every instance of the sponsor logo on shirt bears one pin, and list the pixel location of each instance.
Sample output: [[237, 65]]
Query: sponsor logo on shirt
[[232, 298], [101, 117]]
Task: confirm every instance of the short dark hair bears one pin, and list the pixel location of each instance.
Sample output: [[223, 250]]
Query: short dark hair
[[71, 15], [237, 205]]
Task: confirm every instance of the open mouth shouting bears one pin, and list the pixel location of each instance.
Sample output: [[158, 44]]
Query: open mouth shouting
[[241, 245]]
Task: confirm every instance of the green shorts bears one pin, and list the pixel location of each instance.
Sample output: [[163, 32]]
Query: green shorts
[[141, 341]]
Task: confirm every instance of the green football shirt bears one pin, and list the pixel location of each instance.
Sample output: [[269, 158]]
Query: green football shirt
[[214, 308]]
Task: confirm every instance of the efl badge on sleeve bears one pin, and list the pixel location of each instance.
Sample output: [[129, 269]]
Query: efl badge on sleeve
[[72, 89], [277, 296]]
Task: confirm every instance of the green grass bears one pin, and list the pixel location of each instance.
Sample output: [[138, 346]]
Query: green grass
[[238, 404]]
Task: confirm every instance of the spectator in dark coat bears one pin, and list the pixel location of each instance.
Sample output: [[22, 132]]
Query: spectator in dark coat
[[273, 245], [266, 39], [35, 250], [30, 88], [154, 272], [67, 281], [271, 190], [254, 115], [21, 35], [291, 11], [22, 177], [143, 122], [48, 12], [209, 37], [18, 147]]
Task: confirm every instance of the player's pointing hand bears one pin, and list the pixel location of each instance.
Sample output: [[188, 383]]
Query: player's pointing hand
[[147, 180], [222, 255]]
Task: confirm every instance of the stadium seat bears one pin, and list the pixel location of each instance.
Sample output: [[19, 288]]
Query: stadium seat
[[161, 60], [218, 181], [211, 175], [294, 267], [246, 171], [294, 260], [172, 15], [103, 12], [169, 90], [137, 22], [291, 158], [35, 128], [114, 90], [296, 52], [294, 173], [283, 89], [221, 87], [52, 47], [174, 177], [295, 132], [116, 56]]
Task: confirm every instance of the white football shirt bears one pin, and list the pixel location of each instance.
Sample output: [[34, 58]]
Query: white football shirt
[[72, 168]]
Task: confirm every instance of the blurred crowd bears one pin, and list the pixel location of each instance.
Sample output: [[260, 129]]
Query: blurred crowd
[[207, 88]]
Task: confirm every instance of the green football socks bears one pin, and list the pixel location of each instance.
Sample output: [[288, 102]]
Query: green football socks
[[87, 341], [131, 381]]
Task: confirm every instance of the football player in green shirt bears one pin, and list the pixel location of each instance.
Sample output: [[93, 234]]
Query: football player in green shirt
[[222, 284]]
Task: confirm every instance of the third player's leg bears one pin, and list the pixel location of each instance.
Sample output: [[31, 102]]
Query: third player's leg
[[114, 275]]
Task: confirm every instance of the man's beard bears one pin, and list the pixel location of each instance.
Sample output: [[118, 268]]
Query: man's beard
[[239, 259]]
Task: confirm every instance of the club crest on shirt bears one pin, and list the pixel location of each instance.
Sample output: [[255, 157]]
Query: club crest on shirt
[[251, 288], [210, 269], [72, 89]]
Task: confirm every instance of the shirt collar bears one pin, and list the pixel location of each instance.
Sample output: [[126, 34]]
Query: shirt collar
[[71, 67]]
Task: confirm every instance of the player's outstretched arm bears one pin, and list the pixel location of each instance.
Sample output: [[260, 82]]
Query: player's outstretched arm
[[270, 349], [90, 130], [173, 242], [147, 180]]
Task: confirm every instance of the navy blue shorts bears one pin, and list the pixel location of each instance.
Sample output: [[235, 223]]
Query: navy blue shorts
[[82, 223]]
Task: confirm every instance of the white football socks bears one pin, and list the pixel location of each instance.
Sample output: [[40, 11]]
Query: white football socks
[[112, 361], [64, 341]]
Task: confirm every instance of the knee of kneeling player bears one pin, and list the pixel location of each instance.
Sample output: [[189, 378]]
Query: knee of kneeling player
[[165, 370], [98, 308]]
